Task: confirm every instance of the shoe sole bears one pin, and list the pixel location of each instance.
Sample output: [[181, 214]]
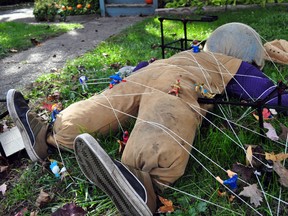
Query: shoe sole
[[26, 140], [100, 169]]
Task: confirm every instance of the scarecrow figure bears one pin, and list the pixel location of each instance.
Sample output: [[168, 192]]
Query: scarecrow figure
[[154, 153]]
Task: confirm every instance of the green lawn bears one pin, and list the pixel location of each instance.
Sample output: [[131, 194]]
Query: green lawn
[[16, 35], [196, 192]]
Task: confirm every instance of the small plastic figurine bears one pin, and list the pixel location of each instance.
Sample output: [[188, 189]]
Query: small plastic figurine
[[231, 182], [204, 92], [115, 79], [266, 113], [175, 88], [123, 142], [56, 170], [56, 109], [83, 80], [195, 46]]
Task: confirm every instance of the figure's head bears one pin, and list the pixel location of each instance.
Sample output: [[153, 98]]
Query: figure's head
[[230, 173], [237, 40]]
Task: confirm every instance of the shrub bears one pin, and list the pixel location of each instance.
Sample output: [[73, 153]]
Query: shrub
[[47, 10]]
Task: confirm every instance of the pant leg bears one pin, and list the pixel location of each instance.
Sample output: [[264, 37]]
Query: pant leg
[[96, 114], [160, 141]]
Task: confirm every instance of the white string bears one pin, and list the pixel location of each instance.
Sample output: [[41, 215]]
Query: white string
[[199, 198], [59, 151], [224, 133], [239, 125], [280, 190], [119, 123], [138, 118], [164, 129], [266, 53]]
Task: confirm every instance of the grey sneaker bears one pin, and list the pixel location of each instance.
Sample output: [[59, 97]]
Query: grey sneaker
[[32, 128], [112, 177]]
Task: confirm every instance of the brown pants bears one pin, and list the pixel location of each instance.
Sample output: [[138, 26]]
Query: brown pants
[[161, 139]]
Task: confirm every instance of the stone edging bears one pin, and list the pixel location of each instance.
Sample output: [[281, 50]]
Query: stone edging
[[191, 10]]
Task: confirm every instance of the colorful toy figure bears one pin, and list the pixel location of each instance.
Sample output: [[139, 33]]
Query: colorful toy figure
[[83, 80], [204, 92], [195, 46], [175, 88], [267, 115], [55, 169], [231, 182], [115, 79], [56, 109], [123, 142]]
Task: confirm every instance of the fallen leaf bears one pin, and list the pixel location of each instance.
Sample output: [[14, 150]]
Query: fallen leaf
[[277, 157], [282, 172], [244, 172], [283, 136], [271, 134], [34, 213], [13, 50], [42, 199], [70, 209], [253, 193], [3, 168], [167, 205], [22, 212], [249, 155], [258, 155], [3, 188]]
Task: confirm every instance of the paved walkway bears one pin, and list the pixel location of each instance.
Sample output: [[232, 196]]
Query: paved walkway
[[23, 68]]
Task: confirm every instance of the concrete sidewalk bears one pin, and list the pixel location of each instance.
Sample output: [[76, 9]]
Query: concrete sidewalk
[[23, 68]]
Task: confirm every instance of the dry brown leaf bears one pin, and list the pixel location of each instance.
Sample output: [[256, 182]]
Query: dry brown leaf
[[22, 212], [168, 205], [42, 199], [271, 134], [253, 193], [282, 172], [3, 188], [277, 157], [249, 155], [13, 50], [3, 168], [34, 213], [284, 134]]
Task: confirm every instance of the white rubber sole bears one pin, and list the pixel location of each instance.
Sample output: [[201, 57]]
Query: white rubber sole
[[12, 112], [99, 168]]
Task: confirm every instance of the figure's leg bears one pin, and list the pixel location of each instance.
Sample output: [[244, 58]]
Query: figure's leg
[[121, 183], [32, 128], [161, 139], [99, 114]]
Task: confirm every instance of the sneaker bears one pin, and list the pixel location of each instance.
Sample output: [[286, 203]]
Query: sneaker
[[115, 179], [32, 128]]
